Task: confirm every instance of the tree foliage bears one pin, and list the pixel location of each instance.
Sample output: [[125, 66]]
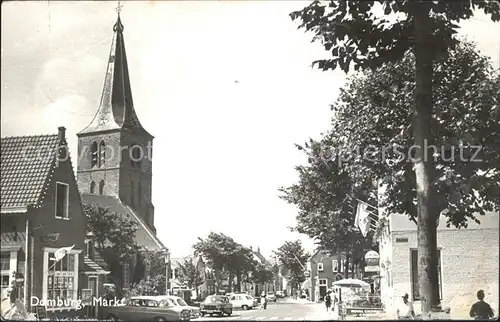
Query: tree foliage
[[152, 286], [293, 258], [112, 231], [190, 275], [357, 36], [373, 114]]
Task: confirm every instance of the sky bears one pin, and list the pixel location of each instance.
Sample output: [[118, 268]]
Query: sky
[[226, 88]]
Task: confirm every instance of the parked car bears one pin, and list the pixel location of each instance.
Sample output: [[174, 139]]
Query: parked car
[[271, 297], [280, 294], [179, 301], [146, 308], [243, 301], [216, 304]]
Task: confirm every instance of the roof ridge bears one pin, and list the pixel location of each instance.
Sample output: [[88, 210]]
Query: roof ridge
[[28, 136]]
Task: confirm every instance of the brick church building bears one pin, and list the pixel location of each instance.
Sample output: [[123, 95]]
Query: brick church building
[[115, 167]]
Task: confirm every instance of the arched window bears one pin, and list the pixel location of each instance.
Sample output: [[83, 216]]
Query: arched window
[[93, 154], [102, 153], [136, 154], [139, 193], [132, 193], [92, 187], [101, 187]]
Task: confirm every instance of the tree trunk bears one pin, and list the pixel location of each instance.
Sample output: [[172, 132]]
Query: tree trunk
[[238, 280], [423, 162], [339, 260], [347, 261], [230, 282]]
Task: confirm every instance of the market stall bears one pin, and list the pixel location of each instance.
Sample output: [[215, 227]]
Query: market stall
[[355, 297]]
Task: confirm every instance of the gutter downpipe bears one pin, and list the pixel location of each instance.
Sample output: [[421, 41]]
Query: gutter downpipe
[[26, 270]]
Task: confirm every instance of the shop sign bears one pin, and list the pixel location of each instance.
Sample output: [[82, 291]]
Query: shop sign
[[372, 258], [307, 274]]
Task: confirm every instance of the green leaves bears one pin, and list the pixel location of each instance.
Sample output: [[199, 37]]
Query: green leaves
[[189, 274]]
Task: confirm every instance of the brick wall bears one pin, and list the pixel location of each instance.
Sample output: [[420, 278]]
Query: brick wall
[[469, 260]]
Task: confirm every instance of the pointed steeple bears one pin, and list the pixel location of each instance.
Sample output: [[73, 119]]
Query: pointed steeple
[[116, 109]]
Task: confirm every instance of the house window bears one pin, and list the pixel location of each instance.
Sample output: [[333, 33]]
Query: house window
[[62, 200], [92, 187], [323, 281], [93, 154], [414, 274], [320, 267], [101, 187], [5, 272], [102, 153], [61, 280], [335, 266], [342, 265]]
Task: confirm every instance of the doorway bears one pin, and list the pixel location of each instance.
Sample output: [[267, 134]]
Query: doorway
[[322, 288]]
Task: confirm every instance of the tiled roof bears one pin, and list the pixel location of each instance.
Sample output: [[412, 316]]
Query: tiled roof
[[27, 162], [144, 236], [91, 266]]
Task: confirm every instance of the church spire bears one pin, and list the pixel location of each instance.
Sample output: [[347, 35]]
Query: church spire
[[116, 109]]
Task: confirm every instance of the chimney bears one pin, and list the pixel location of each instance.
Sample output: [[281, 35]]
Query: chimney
[[62, 134]]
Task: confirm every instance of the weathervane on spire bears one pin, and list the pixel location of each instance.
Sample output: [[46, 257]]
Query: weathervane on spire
[[119, 8]]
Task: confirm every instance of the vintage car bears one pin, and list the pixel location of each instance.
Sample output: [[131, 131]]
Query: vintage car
[[146, 308], [216, 304], [243, 301], [178, 301]]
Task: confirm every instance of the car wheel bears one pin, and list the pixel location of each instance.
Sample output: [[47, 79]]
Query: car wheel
[[160, 319], [112, 317], [229, 312], [244, 307], [202, 314]]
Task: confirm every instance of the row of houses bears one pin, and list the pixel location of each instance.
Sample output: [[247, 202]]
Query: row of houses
[[42, 199], [467, 261], [208, 282]]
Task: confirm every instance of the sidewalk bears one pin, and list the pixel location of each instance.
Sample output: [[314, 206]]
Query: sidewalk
[[298, 301]]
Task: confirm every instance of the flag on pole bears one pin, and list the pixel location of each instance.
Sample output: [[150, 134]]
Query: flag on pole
[[61, 252], [362, 221]]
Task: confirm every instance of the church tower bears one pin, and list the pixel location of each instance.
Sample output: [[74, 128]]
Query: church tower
[[115, 151]]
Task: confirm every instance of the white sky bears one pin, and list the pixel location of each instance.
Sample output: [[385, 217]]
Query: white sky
[[221, 148]]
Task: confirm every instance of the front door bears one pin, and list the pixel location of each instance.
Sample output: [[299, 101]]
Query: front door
[[322, 288]]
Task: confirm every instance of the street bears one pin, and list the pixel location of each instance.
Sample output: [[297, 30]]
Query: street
[[282, 310]]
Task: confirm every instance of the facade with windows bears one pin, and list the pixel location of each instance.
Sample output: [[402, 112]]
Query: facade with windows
[[467, 261], [324, 269], [41, 211]]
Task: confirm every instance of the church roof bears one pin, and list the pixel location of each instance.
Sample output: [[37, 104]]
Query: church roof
[[27, 163], [116, 110], [144, 236]]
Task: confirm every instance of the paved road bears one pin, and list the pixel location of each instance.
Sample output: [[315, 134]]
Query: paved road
[[280, 311]]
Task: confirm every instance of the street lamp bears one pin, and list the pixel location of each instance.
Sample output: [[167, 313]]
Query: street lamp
[[167, 272]]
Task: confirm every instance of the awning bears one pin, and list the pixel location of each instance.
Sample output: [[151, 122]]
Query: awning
[[91, 268], [12, 241]]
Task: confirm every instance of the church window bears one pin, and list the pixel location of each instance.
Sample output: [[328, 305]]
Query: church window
[[139, 193], [136, 155], [102, 153], [92, 187], [101, 187], [93, 151], [132, 193]]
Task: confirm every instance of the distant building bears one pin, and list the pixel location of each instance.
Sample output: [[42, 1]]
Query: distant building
[[41, 211], [323, 271], [206, 273], [468, 261], [115, 159]]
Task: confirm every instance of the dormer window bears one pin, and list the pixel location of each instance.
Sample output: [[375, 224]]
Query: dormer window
[[93, 155], [102, 153], [320, 267]]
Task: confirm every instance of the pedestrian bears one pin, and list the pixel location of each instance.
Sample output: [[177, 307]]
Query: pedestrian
[[333, 295], [405, 309], [328, 301], [481, 310], [264, 302]]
